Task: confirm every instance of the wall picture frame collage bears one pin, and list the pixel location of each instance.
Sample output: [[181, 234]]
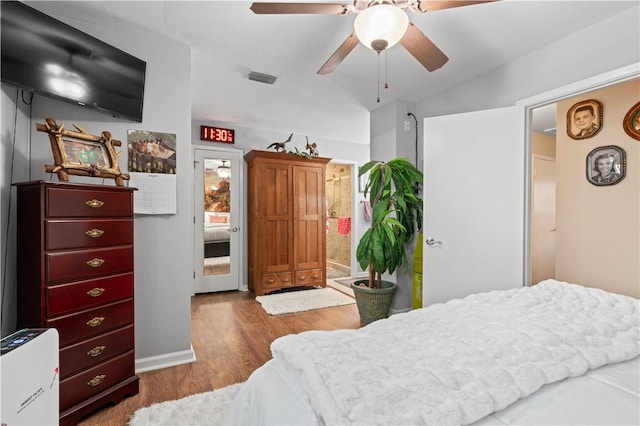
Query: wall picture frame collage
[[605, 165]]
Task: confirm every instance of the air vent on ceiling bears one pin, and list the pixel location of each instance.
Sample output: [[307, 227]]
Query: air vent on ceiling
[[262, 78]]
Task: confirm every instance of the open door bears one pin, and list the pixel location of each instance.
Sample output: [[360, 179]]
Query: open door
[[217, 219], [474, 200]]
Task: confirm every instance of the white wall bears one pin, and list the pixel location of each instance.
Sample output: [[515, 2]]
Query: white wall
[[163, 275], [605, 46]]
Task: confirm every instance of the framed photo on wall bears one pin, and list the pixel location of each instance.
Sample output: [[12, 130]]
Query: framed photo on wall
[[631, 123], [584, 119], [606, 165]]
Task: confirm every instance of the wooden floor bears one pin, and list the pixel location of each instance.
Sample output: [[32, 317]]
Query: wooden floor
[[231, 335]]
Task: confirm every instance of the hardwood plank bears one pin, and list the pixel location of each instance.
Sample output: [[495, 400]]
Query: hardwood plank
[[231, 335]]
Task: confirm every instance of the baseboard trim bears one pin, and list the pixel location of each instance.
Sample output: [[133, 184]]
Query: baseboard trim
[[165, 360], [393, 311]]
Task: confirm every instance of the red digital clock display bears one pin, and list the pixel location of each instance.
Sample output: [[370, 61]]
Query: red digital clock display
[[217, 134]]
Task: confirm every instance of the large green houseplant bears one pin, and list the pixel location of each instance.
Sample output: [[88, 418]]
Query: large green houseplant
[[393, 189]]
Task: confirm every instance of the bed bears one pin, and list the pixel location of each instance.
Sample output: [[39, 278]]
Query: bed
[[216, 234], [554, 353]]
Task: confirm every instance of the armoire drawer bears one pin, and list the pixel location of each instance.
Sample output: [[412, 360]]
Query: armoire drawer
[[95, 380], [76, 327], [63, 234], [80, 295], [82, 264], [311, 276], [90, 352], [274, 281], [65, 202]]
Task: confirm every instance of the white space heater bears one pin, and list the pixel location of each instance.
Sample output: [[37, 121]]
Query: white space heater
[[30, 377]]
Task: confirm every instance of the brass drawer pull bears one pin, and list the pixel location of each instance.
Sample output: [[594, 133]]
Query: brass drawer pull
[[285, 280], [303, 277], [95, 204], [95, 292], [95, 262], [314, 276], [95, 233], [96, 380], [96, 351], [95, 321], [270, 281]]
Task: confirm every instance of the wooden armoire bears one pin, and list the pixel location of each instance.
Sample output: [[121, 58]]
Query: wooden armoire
[[287, 221]]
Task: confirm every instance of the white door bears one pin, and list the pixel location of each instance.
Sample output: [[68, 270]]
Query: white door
[[473, 203], [217, 219], [543, 219]]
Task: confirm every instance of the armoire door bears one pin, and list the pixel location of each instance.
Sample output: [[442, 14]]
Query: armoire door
[[275, 230], [310, 227]]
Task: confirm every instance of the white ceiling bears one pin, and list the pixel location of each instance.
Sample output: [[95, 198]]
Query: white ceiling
[[229, 41]]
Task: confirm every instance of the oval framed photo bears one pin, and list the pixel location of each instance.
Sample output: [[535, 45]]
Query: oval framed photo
[[631, 122]]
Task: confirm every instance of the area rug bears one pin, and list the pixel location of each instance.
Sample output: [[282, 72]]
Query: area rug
[[206, 408], [348, 281], [217, 265], [303, 300]]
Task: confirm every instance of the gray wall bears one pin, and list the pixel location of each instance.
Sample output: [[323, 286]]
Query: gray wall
[[162, 273]]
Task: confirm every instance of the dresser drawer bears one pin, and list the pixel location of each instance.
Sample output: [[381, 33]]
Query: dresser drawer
[[95, 380], [65, 202], [96, 350], [82, 264], [273, 281], [311, 276], [65, 298], [68, 234], [76, 327]]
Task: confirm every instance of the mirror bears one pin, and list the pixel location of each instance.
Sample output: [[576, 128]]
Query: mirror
[[217, 216]]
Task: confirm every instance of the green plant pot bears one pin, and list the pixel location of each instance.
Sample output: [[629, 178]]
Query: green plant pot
[[373, 303]]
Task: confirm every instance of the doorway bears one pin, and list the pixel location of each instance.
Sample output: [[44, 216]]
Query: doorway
[[339, 195], [217, 219], [543, 218]]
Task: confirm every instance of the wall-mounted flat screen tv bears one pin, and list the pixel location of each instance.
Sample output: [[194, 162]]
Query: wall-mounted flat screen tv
[[51, 58]]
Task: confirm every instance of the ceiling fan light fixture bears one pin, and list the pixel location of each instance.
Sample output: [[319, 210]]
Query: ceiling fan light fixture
[[381, 22]]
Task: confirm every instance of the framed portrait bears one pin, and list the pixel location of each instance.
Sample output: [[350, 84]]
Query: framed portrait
[[606, 165], [77, 152], [631, 123], [584, 119]]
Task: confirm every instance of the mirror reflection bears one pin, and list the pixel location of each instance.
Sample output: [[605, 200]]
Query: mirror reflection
[[217, 216]]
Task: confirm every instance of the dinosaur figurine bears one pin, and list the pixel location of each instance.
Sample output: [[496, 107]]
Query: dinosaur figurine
[[313, 150], [280, 145]]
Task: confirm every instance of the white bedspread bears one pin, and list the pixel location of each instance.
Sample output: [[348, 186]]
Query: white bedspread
[[457, 362]]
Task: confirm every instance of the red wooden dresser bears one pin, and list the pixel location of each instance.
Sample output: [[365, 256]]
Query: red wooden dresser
[[75, 273]]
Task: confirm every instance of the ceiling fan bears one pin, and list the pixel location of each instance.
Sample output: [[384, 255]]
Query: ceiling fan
[[379, 25]]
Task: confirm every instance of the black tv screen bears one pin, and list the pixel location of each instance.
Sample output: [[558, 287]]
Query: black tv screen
[[49, 57]]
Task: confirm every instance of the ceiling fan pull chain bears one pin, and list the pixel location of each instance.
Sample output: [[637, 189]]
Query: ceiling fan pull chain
[[386, 69], [378, 85]]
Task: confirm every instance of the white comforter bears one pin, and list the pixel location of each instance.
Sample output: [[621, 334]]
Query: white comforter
[[457, 362]]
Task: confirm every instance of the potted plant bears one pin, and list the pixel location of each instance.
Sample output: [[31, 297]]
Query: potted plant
[[393, 189]]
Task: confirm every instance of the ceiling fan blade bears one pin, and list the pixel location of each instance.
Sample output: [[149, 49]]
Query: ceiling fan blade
[[290, 8], [423, 49], [345, 48], [431, 5]]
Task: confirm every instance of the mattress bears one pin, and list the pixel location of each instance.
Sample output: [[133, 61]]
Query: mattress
[[608, 395], [216, 233]]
